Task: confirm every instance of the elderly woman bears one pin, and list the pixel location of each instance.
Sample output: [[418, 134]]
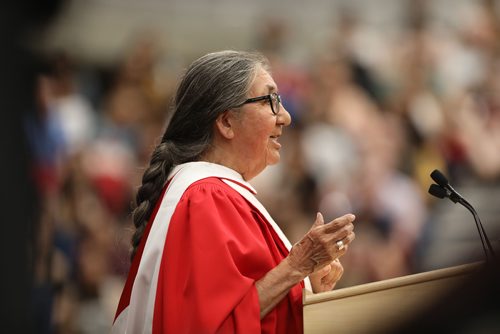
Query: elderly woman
[[207, 256]]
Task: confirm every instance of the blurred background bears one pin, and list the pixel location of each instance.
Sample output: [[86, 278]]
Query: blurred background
[[381, 93]]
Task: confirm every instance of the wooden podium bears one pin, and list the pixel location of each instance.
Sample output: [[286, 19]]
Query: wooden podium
[[379, 306]]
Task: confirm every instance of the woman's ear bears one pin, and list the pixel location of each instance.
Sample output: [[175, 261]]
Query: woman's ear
[[225, 124]]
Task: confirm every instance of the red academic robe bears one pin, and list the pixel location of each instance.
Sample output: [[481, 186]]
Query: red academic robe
[[217, 246]]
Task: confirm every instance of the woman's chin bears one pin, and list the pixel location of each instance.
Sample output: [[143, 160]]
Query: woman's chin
[[273, 158]]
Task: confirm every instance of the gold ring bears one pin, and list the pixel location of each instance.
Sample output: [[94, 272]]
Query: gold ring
[[340, 245]]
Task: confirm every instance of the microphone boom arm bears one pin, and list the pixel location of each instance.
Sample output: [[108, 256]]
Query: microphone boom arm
[[480, 229]]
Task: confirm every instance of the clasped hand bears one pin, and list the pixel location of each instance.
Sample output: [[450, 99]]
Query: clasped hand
[[317, 253]]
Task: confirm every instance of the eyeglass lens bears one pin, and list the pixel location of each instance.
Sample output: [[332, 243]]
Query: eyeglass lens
[[275, 103]]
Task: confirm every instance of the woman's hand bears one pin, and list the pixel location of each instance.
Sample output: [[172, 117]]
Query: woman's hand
[[319, 247], [325, 278], [317, 250]]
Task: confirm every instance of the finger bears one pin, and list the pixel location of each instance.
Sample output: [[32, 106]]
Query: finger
[[342, 234], [336, 265], [349, 237], [346, 241], [339, 222], [324, 271], [337, 277], [319, 220], [334, 275]]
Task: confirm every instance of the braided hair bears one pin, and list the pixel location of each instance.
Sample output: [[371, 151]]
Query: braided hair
[[211, 85]]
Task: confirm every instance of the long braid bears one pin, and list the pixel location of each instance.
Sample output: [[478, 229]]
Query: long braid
[[152, 182], [212, 84]]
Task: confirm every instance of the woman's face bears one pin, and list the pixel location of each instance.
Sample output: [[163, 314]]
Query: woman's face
[[258, 130]]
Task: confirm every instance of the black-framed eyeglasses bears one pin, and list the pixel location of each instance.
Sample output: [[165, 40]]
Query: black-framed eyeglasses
[[273, 98]]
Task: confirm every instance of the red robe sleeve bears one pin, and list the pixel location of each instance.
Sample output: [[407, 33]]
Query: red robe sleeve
[[217, 246]]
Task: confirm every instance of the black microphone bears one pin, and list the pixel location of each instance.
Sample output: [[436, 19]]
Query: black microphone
[[439, 178], [442, 181], [441, 192], [438, 191], [443, 189]]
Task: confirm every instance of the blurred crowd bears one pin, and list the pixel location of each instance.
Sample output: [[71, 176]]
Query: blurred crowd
[[373, 114]]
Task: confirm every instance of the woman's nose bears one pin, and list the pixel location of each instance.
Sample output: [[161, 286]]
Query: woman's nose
[[283, 117]]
